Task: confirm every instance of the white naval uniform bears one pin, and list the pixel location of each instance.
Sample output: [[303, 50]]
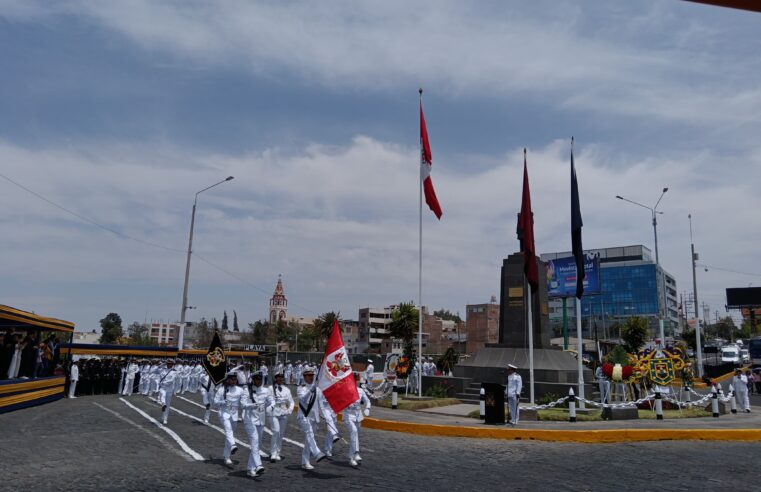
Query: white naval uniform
[[305, 394], [153, 378], [331, 423], [143, 385], [369, 371], [740, 384], [603, 384], [73, 378], [263, 369], [288, 374], [195, 374], [256, 401], [167, 383], [227, 400], [353, 415], [129, 381], [208, 390], [512, 394], [283, 408]]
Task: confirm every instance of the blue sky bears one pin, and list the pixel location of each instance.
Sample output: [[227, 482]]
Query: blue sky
[[121, 111]]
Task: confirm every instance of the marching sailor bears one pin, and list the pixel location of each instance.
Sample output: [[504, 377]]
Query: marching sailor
[[256, 401], [155, 375], [513, 392], [353, 415], [129, 381], [207, 394], [227, 401], [167, 383], [144, 379], [308, 394], [369, 371], [331, 424], [283, 408], [288, 372]]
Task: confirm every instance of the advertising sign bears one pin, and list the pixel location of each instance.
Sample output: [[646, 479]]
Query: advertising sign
[[561, 276]]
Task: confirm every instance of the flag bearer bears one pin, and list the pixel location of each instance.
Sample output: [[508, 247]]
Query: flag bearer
[[353, 415], [308, 395]]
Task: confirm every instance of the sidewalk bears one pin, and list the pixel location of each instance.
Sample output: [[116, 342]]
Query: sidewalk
[[452, 421]]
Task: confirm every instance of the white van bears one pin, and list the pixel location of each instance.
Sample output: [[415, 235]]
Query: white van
[[730, 354]]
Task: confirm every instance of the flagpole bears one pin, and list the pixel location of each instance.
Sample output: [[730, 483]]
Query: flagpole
[[580, 340], [581, 352], [530, 344], [420, 271], [530, 328]]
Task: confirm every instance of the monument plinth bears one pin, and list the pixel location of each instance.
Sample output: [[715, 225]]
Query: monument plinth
[[555, 371]]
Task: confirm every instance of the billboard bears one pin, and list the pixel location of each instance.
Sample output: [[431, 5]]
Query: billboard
[[561, 276], [739, 297]]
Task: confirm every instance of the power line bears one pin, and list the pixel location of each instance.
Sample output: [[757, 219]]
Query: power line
[[729, 270], [142, 241]]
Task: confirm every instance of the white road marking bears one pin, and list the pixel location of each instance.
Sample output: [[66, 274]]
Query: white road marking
[[169, 431], [266, 429], [163, 441]]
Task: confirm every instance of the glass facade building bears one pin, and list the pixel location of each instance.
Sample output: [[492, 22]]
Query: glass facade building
[[631, 286]]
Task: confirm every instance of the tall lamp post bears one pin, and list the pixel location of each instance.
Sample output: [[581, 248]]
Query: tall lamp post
[[185, 307], [695, 300], [654, 211]]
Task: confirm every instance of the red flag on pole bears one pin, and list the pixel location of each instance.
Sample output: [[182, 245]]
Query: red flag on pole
[[425, 168], [526, 232], [336, 379]]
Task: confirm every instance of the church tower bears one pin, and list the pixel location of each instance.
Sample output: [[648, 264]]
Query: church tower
[[278, 303]]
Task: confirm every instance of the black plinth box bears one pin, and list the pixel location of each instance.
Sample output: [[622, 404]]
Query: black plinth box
[[495, 403]]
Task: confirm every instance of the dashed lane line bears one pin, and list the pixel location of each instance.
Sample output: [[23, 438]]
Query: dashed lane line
[[163, 441], [193, 454]]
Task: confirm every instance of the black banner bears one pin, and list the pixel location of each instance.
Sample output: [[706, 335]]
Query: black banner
[[215, 361]]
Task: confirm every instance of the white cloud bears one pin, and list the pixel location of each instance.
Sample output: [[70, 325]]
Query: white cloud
[[340, 223]]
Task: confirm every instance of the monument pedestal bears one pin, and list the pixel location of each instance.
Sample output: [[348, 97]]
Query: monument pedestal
[[555, 371]]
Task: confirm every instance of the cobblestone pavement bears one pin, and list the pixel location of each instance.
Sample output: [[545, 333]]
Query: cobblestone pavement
[[101, 443]]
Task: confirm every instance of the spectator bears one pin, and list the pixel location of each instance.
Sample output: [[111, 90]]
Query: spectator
[[28, 358], [13, 369]]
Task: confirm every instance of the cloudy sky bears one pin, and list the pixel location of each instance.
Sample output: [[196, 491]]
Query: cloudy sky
[[119, 112]]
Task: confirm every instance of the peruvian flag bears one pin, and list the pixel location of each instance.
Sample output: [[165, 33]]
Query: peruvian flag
[[335, 375], [425, 167]]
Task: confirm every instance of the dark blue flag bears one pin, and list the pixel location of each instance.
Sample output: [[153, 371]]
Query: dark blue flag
[[576, 224]]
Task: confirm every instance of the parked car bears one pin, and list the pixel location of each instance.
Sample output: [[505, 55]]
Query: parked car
[[730, 354], [745, 354]]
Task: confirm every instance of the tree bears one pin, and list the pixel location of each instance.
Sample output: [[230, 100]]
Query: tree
[[235, 321], [323, 326], [224, 322], [690, 337], [214, 324], [259, 330], [111, 328], [725, 328], [139, 335], [445, 314], [205, 334], [307, 339], [404, 325], [634, 333]]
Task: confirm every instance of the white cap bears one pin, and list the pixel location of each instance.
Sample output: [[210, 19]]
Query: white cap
[[510, 366]]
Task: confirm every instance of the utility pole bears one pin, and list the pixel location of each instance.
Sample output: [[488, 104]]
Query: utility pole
[[694, 257]]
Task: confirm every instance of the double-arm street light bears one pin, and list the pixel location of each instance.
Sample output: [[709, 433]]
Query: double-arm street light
[[654, 211], [185, 307]]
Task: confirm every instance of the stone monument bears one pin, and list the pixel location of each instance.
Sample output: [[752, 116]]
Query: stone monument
[[555, 371]]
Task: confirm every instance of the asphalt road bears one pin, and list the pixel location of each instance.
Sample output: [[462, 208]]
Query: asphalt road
[[105, 443]]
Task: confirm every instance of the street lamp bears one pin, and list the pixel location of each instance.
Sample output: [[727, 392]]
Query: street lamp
[[185, 307], [654, 211], [695, 300]]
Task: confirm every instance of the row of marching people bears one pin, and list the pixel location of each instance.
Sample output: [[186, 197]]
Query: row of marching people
[[255, 401]]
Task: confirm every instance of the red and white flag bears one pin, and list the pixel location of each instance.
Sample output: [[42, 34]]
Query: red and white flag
[[425, 168], [336, 379]]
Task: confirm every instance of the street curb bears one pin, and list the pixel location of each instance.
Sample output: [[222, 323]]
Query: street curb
[[554, 435]]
